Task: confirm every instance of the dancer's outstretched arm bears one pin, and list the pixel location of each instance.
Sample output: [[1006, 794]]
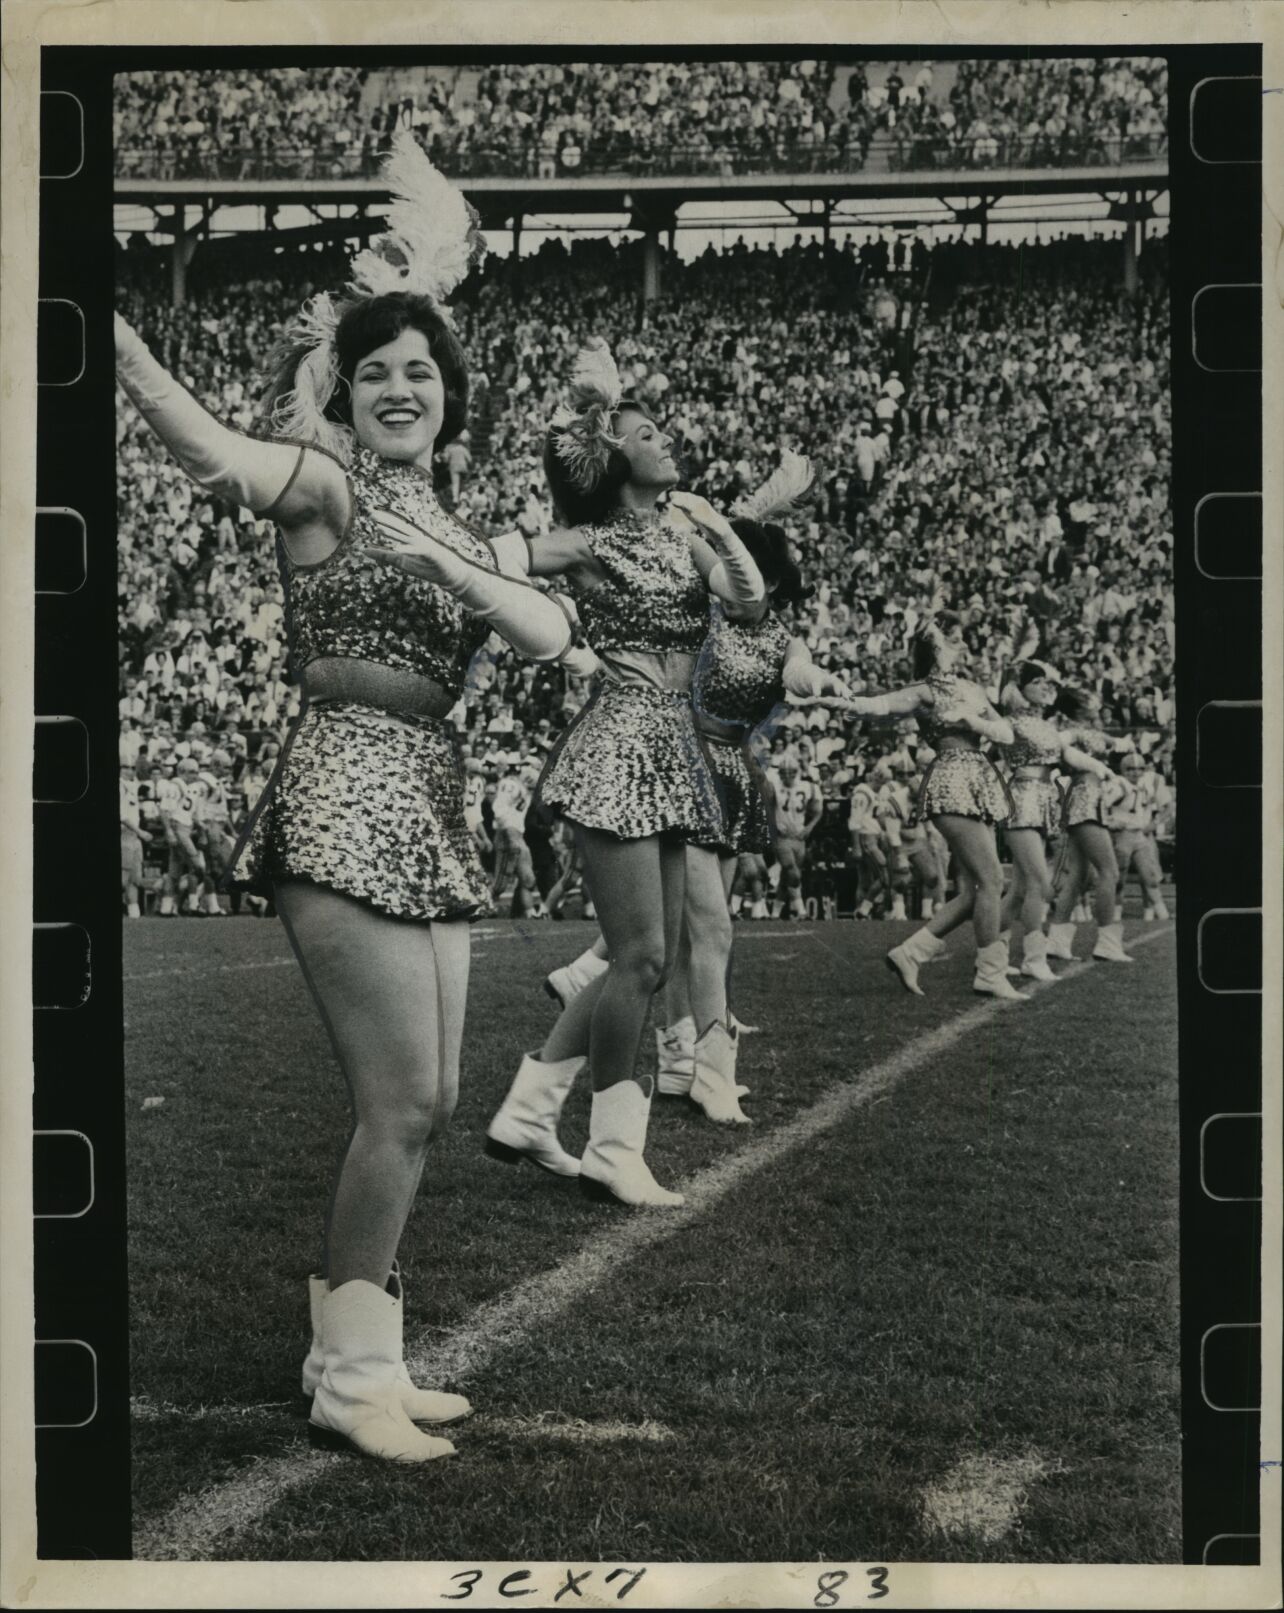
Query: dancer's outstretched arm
[[533, 622], [805, 680], [300, 489], [722, 559]]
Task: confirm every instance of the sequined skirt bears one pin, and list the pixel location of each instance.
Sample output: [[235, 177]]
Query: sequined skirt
[[1083, 800], [371, 804], [965, 784], [633, 765], [1036, 804], [740, 793]]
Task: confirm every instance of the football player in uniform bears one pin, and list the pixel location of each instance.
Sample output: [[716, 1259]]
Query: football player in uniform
[[796, 807], [1131, 821], [133, 837]]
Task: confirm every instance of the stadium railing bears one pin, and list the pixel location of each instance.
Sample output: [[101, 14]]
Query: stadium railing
[[895, 153]]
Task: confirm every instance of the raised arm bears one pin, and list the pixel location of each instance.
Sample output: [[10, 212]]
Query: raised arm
[[1081, 762], [805, 680], [721, 558], [907, 702], [533, 622], [303, 491], [562, 550]]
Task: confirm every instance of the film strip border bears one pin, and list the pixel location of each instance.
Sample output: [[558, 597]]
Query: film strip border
[[1216, 149], [81, 1350]]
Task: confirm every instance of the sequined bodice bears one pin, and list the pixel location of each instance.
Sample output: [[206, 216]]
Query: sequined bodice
[[355, 605], [652, 597], [1037, 742], [738, 675], [952, 695]]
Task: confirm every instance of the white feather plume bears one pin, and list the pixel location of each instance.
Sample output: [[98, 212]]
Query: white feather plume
[[431, 241], [782, 489], [595, 377], [583, 423], [299, 414]]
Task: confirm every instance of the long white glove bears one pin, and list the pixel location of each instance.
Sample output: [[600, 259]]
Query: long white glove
[[243, 469], [735, 578], [530, 620]]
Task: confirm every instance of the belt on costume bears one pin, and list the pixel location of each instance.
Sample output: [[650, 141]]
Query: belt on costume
[[1032, 770], [730, 733], [369, 683]]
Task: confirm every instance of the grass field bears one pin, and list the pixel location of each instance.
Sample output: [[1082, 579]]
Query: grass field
[[925, 1309]]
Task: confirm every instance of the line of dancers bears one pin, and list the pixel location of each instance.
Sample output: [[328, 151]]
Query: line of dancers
[[366, 836]]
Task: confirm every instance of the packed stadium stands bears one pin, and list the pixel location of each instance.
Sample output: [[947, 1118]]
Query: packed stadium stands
[[992, 436], [543, 120]]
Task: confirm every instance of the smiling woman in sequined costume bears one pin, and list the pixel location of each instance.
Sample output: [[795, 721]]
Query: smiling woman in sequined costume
[[631, 773], [1091, 848], [1038, 748], [361, 835], [963, 795]]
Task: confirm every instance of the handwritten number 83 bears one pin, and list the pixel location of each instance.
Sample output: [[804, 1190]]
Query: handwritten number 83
[[827, 1586]]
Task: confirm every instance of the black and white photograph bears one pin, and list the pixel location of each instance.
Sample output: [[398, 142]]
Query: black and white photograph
[[653, 814]]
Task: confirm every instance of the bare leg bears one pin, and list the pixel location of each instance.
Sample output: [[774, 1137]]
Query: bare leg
[[1031, 885], [708, 928], [972, 843], [1099, 853], [638, 889], [394, 1011]]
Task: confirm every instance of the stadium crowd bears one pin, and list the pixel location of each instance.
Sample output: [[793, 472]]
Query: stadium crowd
[[994, 440], [722, 117]]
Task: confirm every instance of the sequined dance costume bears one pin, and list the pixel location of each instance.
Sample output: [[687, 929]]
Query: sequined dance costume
[[1036, 802], [960, 781], [632, 763], [736, 685], [368, 795], [1083, 798]]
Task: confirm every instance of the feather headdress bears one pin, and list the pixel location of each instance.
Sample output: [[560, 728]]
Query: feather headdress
[[582, 424], [781, 491], [432, 242]]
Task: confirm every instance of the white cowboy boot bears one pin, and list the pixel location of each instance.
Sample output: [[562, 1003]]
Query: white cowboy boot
[[1061, 942], [1034, 956], [564, 985], [674, 1052], [714, 1086], [357, 1405], [1109, 947], [991, 978], [613, 1166], [1006, 937], [907, 959], [525, 1124], [420, 1405]]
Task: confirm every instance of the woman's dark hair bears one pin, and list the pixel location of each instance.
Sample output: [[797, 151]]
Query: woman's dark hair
[[571, 504], [1075, 703], [923, 645], [769, 546], [1030, 672], [370, 323]]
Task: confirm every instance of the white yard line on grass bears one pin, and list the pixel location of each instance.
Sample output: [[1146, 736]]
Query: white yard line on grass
[[982, 1497], [188, 1530], [218, 969]]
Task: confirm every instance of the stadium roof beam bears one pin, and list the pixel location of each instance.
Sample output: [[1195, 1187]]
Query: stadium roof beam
[[1132, 209], [503, 196], [977, 213], [184, 246]]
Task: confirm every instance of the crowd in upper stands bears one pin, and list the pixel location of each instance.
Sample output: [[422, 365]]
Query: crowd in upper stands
[[719, 117], [994, 439]]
